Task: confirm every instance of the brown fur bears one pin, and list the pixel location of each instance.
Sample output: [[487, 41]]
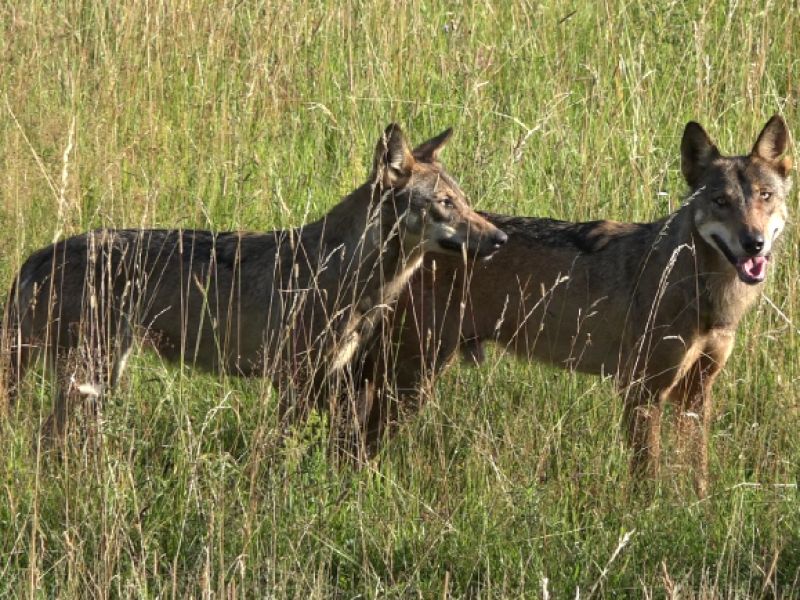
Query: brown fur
[[290, 305], [656, 305]]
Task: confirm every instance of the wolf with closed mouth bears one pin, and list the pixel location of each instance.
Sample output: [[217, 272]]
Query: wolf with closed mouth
[[291, 305]]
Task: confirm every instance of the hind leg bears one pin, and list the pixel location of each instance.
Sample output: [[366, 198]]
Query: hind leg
[[82, 376], [103, 365], [72, 388], [18, 362], [56, 369]]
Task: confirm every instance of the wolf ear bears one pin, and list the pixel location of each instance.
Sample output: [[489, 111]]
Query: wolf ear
[[429, 151], [697, 152], [393, 159], [772, 142]]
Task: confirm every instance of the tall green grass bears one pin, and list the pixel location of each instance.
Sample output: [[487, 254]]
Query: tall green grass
[[513, 481]]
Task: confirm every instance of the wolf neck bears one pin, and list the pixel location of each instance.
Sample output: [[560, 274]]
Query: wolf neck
[[723, 298], [371, 235], [375, 263]]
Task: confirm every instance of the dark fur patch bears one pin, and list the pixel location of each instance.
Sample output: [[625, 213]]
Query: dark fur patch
[[587, 237]]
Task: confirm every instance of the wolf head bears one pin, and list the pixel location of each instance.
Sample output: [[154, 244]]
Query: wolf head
[[739, 202], [432, 211]]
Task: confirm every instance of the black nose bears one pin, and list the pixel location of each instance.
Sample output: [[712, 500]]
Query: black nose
[[752, 242], [499, 239]]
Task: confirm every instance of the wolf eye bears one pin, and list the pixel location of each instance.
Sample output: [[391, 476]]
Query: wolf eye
[[720, 200], [765, 194], [447, 202]]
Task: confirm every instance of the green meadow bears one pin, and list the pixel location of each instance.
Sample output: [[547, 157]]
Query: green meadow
[[513, 481]]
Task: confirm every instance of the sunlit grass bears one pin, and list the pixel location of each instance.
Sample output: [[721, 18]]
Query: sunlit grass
[[514, 479]]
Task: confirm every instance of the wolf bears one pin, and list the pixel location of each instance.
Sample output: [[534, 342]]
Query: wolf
[[655, 305], [290, 305]]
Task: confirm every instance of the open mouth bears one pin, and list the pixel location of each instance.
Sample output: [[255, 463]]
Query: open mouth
[[751, 269]]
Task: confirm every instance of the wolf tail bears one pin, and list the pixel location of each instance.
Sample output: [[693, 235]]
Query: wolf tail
[[9, 343]]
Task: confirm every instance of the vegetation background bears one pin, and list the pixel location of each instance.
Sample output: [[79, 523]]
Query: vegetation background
[[513, 481]]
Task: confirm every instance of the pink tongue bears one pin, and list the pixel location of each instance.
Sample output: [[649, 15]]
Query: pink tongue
[[755, 267]]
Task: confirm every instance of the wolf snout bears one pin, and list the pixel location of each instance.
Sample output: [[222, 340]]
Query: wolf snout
[[491, 242], [752, 242], [498, 239]]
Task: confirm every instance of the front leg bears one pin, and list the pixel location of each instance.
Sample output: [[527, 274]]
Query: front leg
[[644, 390], [692, 396], [420, 341], [642, 421]]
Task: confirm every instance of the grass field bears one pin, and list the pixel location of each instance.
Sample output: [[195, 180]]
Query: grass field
[[513, 481]]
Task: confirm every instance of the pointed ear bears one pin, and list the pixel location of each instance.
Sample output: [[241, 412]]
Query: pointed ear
[[429, 151], [772, 142], [393, 159], [697, 152]]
